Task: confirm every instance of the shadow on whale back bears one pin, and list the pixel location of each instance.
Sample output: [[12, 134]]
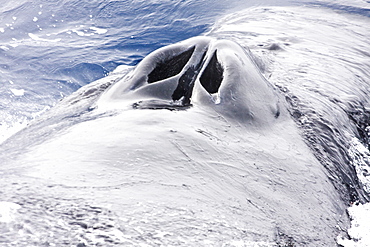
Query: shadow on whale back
[[204, 72]]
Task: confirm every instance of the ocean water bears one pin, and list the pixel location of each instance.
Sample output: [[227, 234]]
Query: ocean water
[[48, 50]]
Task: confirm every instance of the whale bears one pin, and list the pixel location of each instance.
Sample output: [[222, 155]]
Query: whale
[[193, 146]]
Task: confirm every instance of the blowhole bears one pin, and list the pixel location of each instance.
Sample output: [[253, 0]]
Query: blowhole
[[170, 67], [212, 75]]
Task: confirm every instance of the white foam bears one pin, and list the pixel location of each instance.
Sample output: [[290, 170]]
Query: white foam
[[17, 92], [7, 211], [37, 38], [7, 130], [3, 47], [360, 159], [81, 33], [91, 31], [99, 30], [360, 224]]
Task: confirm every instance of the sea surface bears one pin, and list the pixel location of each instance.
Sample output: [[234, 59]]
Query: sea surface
[[50, 49]]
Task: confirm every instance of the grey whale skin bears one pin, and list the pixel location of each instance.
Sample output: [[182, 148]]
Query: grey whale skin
[[194, 128]]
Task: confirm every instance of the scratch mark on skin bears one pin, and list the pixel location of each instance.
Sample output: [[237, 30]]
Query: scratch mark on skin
[[181, 150], [209, 135]]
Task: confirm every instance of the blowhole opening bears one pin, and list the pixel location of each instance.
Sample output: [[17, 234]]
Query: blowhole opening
[[212, 75], [170, 67]]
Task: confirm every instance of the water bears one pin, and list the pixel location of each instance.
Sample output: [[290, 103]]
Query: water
[[50, 49]]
